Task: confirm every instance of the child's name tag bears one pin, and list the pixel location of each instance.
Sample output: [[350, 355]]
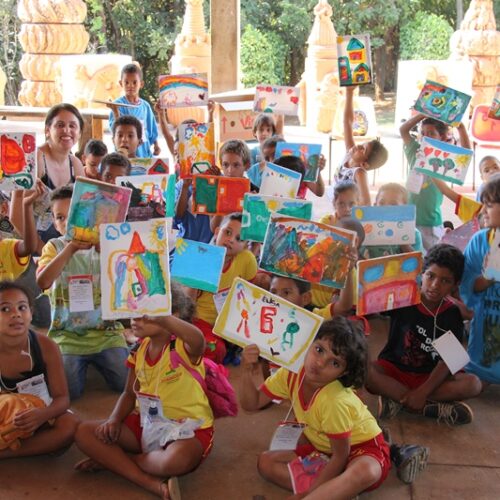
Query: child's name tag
[[451, 352], [220, 298], [414, 182], [149, 405], [286, 436], [36, 386], [81, 297]]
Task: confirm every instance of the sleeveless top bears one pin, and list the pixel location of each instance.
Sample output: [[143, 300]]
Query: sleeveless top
[[48, 181]]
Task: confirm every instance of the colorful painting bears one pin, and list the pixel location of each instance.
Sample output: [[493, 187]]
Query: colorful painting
[[94, 203], [277, 99], [387, 225], [494, 111], [198, 265], [180, 91], [354, 60], [148, 166], [309, 251], [134, 270], [196, 148], [218, 195], [17, 160], [280, 181], [387, 283], [308, 153], [461, 236], [282, 331], [442, 103], [153, 196], [443, 160], [257, 211], [492, 263]]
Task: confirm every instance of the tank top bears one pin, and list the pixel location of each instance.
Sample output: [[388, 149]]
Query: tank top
[[48, 181]]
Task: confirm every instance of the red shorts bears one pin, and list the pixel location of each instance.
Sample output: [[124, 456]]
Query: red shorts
[[204, 436], [376, 448], [216, 349], [411, 380]]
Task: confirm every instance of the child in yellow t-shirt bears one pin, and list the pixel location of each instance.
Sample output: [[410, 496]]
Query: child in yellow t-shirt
[[345, 197]]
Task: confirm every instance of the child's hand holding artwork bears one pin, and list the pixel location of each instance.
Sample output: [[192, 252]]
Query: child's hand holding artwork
[[250, 357], [32, 195]]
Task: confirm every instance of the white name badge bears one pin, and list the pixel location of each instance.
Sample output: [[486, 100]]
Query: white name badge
[[220, 298], [146, 403], [414, 182], [81, 297], [452, 352], [36, 386], [286, 436]]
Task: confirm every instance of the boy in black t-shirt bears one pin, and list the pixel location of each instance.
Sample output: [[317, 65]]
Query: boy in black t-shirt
[[409, 372]]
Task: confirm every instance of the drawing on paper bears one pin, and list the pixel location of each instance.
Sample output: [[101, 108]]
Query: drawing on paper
[[94, 203], [135, 272], [179, 91], [387, 225], [148, 166], [282, 331], [218, 195], [461, 236], [354, 60], [257, 211], [494, 111], [196, 148], [280, 181], [17, 160], [277, 99], [387, 283], [308, 153], [309, 251]]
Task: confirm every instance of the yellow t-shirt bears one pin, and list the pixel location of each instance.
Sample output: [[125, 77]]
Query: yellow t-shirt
[[329, 220], [244, 265], [322, 296], [180, 393], [11, 265], [467, 208], [334, 412]]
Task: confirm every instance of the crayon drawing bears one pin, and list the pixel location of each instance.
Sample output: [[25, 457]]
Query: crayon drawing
[[148, 166], [492, 267], [387, 225], [309, 251], [218, 195], [196, 148], [282, 331], [180, 91], [443, 160], [198, 265], [387, 283], [94, 203], [257, 211], [354, 60], [17, 161], [461, 236], [443, 103], [276, 99], [153, 196], [279, 181], [494, 111], [135, 272], [308, 153]]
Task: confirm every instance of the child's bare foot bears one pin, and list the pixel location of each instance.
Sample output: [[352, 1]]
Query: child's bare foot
[[88, 465], [169, 489]]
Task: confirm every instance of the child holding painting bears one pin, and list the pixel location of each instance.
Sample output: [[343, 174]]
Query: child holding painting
[[345, 197]]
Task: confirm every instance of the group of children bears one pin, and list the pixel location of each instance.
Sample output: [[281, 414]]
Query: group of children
[[340, 450]]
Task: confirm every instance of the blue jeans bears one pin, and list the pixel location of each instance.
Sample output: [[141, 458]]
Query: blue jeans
[[110, 363]]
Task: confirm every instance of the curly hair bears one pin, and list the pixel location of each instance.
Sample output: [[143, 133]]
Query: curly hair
[[441, 127], [115, 159], [237, 147], [61, 193], [448, 256], [128, 120]]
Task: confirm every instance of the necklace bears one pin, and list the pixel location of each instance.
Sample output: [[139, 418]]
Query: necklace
[[23, 353], [434, 316]]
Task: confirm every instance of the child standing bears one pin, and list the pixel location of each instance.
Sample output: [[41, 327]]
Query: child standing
[[93, 153], [264, 127], [132, 82]]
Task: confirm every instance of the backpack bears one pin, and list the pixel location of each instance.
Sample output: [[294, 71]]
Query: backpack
[[219, 391]]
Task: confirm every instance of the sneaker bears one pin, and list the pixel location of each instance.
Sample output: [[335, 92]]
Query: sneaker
[[455, 413], [388, 408], [409, 460]]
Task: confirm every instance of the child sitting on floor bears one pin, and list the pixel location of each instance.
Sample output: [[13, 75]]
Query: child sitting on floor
[[345, 197]]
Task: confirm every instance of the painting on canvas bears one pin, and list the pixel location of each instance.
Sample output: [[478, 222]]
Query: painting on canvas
[[305, 250], [277, 99], [387, 283], [461, 236], [354, 60], [257, 211], [180, 91], [308, 153], [17, 160], [196, 148], [442, 103], [387, 225], [492, 268], [218, 195], [153, 196], [94, 203], [279, 181], [134, 269], [148, 166], [282, 331], [443, 160], [198, 265], [494, 111]]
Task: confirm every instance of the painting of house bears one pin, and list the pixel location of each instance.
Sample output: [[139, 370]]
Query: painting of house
[[356, 50], [354, 60]]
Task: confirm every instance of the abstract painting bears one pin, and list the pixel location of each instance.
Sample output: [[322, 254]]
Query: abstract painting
[[196, 148], [180, 91], [280, 181], [148, 166], [277, 99], [308, 153], [17, 160], [354, 60]]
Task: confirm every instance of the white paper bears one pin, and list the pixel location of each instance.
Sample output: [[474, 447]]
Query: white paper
[[451, 351], [414, 182], [36, 386], [81, 297], [286, 436]]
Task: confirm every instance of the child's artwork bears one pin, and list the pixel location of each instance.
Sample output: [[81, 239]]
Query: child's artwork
[[443, 160], [387, 283], [442, 103], [196, 148], [218, 195], [180, 91], [153, 196], [280, 181], [257, 211], [309, 251], [494, 111], [492, 262], [277, 99], [198, 265], [282, 331], [134, 269], [17, 161], [461, 236], [94, 203], [148, 166], [354, 60], [387, 225], [308, 153]]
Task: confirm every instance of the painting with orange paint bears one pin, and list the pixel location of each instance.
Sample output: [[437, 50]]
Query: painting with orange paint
[[17, 161], [196, 148]]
